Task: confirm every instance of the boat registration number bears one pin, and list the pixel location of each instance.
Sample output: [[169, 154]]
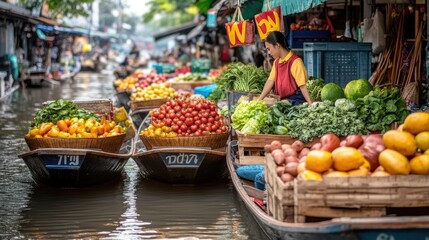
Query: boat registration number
[[63, 161], [182, 159]]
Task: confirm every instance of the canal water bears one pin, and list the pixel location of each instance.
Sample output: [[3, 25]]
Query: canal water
[[129, 208]]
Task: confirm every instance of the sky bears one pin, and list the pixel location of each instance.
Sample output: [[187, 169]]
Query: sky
[[137, 7]]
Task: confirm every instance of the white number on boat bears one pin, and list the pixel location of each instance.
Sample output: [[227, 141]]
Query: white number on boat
[[71, 160], [182, 159]]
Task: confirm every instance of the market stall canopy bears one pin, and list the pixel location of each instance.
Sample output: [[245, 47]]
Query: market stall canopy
[[49, 29], [183, 29], [196, 31], [292, 6]]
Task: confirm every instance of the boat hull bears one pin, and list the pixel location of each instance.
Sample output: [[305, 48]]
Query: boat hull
[[182, 165], [389, 228], [73, 167]]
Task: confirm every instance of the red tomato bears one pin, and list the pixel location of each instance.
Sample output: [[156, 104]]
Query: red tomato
[[194, 113], [194, 128], [179, 123], [205, 114], [168, 121], [204, 120], [184, 128], [197, 122], [211, 120], [174, 127], [189, 121], [213, 113], [177, 109], [155, 114]]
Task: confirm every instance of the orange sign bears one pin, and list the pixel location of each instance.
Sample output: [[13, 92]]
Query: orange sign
[[271, 20], [240, 33]]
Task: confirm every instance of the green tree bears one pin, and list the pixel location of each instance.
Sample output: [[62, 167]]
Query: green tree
[[168, 7], [69, 8]]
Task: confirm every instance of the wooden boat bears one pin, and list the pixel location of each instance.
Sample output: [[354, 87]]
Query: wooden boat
[[123, 98], [395, 227], [79, 164], [67, 167], [179, 165]]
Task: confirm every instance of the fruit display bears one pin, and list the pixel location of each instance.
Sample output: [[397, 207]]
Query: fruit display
[[402, 151], [77, 128], [154, 91], [139, 80], [193, 77], [185, 116], [314, 24]]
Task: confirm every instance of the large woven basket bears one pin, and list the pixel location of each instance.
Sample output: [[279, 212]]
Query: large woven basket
[[213, 141], [154, 103], [107, 144]]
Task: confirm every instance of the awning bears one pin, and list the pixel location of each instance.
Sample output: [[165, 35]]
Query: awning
[[49, 29], [292, 6], [40, 34], [184, 29], [196, 31]]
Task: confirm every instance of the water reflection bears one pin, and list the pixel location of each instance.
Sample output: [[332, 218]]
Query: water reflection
[[72, 213]]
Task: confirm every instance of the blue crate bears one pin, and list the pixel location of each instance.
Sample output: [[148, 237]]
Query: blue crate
[[338, 62], [298, 37]]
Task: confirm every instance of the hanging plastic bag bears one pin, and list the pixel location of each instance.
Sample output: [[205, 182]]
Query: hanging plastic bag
[[374, 32], [268, 21], [241, 32]]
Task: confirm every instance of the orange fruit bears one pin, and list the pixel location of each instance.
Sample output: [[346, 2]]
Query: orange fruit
[[318, 161]]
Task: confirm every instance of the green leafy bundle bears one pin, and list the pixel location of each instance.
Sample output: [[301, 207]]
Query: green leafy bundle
[[382, 107], [246, 111], [314, 86], [61, 109], [239, 77], [308, 122]]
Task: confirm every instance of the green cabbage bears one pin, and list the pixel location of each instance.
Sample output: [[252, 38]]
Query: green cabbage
[[245, 111]]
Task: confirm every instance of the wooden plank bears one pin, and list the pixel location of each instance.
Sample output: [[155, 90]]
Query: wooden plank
[[326, 212], [251, 160]]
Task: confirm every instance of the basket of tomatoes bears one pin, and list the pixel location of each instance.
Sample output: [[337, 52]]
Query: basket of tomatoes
[[186, 122], [62, 124]]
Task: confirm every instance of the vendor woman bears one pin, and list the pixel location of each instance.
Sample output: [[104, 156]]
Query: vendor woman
[[288, 75]]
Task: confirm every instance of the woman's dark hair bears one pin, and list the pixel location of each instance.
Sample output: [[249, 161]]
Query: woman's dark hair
[[275, 37]]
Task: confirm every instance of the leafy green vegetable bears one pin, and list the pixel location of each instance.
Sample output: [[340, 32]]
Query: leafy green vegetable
[[382, 107], [314, 86], [239, 77], [245, 111], [58, 110], [253, 125]]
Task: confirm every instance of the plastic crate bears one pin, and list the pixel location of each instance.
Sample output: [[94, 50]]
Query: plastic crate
[[298, 37], [201, 65], [338, 62], [164, 68]]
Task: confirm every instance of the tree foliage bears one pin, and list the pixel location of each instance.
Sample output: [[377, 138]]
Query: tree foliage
[[167, 7], [69, 8]]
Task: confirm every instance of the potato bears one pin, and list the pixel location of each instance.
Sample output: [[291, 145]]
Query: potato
[[290, 152], [286, 177], [291, 159], [303, 152], [280, 170], [303, 159], [278, 156], [286, 146], [300, 168], [292, 168], [316, 146], [275, 145], [298, 145], [267, 148]]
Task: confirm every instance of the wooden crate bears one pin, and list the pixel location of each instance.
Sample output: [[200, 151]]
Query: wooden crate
[[251, 146], [359, 196], [280, 199]]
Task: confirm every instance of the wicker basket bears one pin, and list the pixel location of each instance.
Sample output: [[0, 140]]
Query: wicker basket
[[107, 144], [213, 141], [154, 103]]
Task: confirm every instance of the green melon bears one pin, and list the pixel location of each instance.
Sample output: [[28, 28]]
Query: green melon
[[331, 92], [358, 88]]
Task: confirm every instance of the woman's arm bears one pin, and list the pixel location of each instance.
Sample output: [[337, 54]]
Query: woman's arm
[[305, 93], [269, 84]]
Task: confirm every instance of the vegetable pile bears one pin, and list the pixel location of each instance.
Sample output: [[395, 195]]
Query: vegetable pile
[[314, 86], [61, 109], [185, 117], [239, 77], [139, 80]]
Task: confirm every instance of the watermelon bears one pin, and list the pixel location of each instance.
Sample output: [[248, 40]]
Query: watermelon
[[358, 88], [331, 92]]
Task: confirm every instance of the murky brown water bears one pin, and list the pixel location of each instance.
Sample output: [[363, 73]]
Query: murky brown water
[[129, 208]]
